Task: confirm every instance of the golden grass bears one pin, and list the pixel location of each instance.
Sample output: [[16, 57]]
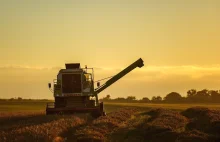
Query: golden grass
[[161, 124], [101, 127], [124, 122], [42, 132], [167, 119]]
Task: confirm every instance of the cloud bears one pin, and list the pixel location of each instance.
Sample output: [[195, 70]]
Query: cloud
[[194, 72], [147, 73]]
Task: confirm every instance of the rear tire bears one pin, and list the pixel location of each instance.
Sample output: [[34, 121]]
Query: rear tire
[[96, 114], [48, 113], [99, 112], [104, 113]]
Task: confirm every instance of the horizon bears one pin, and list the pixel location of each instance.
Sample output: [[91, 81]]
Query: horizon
[[209, 92]]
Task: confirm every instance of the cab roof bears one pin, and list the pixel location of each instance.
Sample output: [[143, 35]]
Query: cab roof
[[72, 66]]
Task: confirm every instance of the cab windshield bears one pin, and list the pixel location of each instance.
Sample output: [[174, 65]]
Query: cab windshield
[[87, 82], [71, 83]]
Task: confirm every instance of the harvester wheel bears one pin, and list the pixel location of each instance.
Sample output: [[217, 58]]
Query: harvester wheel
[[101, 107], [99, 112], [104, 113], [96, 114], [48, 113], [60, 113]]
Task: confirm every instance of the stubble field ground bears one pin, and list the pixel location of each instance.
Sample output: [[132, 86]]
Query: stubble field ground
[[26, 121]]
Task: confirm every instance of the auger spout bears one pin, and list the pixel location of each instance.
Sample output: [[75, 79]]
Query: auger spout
[[139, 63]]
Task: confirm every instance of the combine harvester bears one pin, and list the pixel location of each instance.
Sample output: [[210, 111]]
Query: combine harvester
[[74, 90]]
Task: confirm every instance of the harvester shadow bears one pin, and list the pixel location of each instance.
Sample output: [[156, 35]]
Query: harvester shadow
[[69, 134]]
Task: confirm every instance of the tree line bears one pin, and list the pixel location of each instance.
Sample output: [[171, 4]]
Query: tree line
[[193, 96], [21, 99]]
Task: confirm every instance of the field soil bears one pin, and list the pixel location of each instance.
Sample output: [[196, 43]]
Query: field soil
[[129, 124]]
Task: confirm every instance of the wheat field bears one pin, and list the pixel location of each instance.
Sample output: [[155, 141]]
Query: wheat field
[[25, 121]]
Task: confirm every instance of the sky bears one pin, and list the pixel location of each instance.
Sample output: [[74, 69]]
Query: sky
[[178, 41]]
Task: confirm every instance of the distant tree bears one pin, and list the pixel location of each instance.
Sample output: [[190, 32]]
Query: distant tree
[[215, 96], [119, 99], [202, 96], [173, 97], [191, 96], [159, 98], [131, 98], [19, 99], [191, 93], [156, 99], [11, 99], [107, 98], [203, 92], [145, 100]]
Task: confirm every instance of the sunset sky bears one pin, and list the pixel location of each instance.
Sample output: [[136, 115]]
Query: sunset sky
[[179, 41]]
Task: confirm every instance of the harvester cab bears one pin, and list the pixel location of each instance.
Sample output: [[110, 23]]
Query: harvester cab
[[74, 90]]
